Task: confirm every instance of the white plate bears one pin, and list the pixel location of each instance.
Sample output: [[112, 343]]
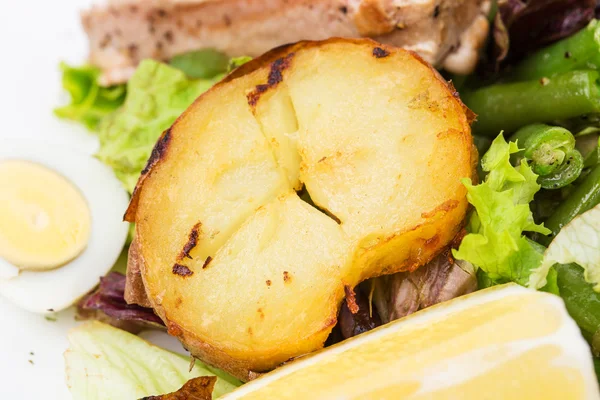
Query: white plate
[[34, 37]]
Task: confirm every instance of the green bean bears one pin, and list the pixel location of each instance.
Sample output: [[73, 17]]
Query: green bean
[[581, 300], [544, 204], [583, 198], [546, 146], [588, 145], [592, 159], [581, 125], [568, 171], [550, 150], [579, 51], [513, 105]]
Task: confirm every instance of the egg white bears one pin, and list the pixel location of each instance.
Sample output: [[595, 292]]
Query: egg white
[[54, 290]]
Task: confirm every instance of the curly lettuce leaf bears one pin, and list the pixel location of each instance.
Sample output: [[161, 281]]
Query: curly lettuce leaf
[[495, 242], [156, 95], [577, 242], [90, 102], [103, 362]]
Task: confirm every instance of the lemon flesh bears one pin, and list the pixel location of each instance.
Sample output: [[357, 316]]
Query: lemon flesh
[[501, 343], [44, 220]]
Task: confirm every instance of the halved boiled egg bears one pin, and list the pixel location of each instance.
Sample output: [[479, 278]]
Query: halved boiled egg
[[61, 224]]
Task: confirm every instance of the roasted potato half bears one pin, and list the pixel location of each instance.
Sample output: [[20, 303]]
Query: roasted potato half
[[240, 268]]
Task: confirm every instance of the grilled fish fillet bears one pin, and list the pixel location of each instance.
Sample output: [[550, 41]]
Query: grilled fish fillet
[[121, 33]]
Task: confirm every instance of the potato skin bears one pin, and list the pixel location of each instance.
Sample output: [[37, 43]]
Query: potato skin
[[135, 291], [436, 230]]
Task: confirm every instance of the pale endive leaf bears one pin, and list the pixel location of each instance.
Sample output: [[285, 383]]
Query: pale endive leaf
[[103, 362], [577, 242]]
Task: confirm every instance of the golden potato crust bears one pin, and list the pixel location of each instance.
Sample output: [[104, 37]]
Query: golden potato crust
[[245, 273]]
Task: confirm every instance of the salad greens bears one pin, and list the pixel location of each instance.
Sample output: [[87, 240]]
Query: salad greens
[[556, 170], [581, 300], [237, 62], [495, 242], [206, 64], [90, 102], [156, 95], [582, 198], [128, 119], [577, 242], [103, 362], [107, 304], [201, 64]]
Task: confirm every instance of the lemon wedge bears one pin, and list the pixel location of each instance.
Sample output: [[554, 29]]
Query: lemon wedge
[[44, 219], [505, 342]]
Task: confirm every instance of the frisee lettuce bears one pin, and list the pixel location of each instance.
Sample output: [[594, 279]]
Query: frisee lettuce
[[495, 241], [103, 362]]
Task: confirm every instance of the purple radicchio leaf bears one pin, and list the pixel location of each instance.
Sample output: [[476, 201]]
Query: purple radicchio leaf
[[107, 304], [356, 316], [398, 295], [442, 279], [521, 26]]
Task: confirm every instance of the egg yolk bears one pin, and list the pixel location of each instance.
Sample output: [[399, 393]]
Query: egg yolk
[[44, 219]]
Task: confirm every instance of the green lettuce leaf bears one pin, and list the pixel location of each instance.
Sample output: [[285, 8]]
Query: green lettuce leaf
[[581, 300], [201, 64], [495, 242], [156, 95], [90, 102], [103, 362], [577, 242], [129, 118], [237, 62]]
